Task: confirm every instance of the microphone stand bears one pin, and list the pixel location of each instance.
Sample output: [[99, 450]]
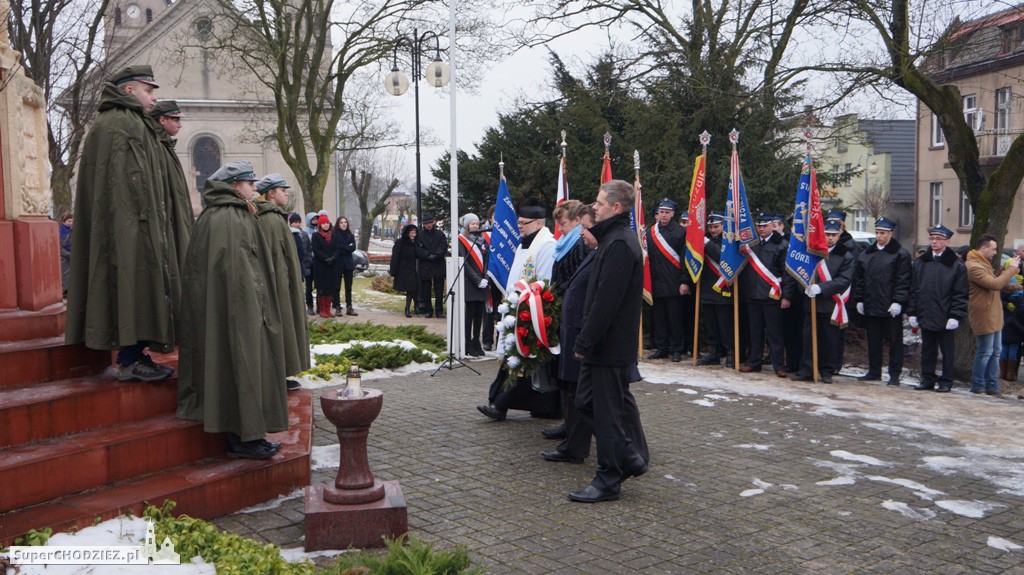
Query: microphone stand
[[450, 361]]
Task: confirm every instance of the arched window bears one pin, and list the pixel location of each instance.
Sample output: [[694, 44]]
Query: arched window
[[206, 159], [117, 16], [149, 15]]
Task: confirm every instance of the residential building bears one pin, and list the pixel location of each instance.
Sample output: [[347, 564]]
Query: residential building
[[984, 59]]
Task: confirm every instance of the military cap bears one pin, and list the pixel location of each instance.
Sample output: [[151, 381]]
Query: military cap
[[685, 215], [836, 215], [667, 204], [532, 208], [764, 219], [885, 224], [137, 73], [167, 108], [940, 231], [427, 218], [238, 171], [271, 181], [716, 217], [833, 227]]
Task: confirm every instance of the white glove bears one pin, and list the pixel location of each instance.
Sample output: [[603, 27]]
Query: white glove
[[912, 320], [483, 284], [894, 309], [860, 307], [952, 324], [813, 290]]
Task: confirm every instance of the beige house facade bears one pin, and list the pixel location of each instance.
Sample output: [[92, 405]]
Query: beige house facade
[[985, 61], [228, 115]]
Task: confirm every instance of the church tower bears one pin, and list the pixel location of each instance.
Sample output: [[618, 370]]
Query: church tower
[[126, 18]]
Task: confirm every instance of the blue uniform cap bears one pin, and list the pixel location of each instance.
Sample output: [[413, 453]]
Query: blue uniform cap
[[885, 224], [940, 231]]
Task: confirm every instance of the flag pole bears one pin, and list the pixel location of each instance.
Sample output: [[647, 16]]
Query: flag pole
[[640, 333], [734, 137], [814, 300], [705, 139]]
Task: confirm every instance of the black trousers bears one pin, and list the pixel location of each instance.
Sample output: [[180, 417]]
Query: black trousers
[[578, 430], [829, 336], [718, 321], [436, 285], [309, 291], [839, 351], [474, 320], [665, 324], [879, 329], [346, 276], [686, 308], [931, 343], [601, 400], [765, 321], [793, 320]]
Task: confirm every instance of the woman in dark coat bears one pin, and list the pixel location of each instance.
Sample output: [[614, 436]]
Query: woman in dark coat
[[474, 281], [326, 278], [346, 243], [403, 266]]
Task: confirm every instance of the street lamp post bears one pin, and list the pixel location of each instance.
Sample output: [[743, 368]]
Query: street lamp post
[[396, 83]]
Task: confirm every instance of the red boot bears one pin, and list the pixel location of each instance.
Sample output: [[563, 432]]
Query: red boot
[[325, 306]]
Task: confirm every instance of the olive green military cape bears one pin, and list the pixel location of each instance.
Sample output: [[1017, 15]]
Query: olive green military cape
[[179, 206], [121, 289], [231, 361], [273, 224]]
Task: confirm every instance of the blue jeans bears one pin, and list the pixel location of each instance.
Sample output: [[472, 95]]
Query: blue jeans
[[985, 372]]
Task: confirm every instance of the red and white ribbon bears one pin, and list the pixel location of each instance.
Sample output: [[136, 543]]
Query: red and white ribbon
[[774, 283], [839, 315], [474, 252], [721, 284], [663, 246], [531, 295]]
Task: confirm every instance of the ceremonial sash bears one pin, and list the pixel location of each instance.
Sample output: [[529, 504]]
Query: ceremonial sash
[[530, 293], [663, 247], [721, 283], [775, 287], [839, 316], [474, 252]]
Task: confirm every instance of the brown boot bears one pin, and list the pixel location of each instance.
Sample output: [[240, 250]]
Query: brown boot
[[350, 311], [1012, 367], [1004, 369]]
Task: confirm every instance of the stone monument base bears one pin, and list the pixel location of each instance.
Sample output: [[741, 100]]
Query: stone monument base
[[363, 525]]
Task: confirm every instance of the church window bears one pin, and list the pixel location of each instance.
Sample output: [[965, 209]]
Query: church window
[[117, 16], [149, 15], [205, 159]]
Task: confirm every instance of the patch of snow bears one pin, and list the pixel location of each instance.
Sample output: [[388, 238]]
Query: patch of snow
[[761, 484], [907, 511], [755, 446], [325, 457], [922, 491], [867, 459], [274, 503], [972, 509], [704, 402], [1006, 474], [719, 397], [751, 492], [841, 480], [1002, 544], [687, 391]]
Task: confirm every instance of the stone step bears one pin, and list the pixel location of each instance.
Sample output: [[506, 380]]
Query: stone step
[[48, 359], [205, 488], [41, 411], [42, 470]]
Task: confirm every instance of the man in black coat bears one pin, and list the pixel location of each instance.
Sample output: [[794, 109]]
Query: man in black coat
[[432, 246], [853, 248], [666, 242], [716, 305], [763, 281], [881, 290], [832, 290], [938, 303], [606, 346]]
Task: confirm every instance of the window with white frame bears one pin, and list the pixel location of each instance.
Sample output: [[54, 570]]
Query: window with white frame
[[938, 138], [936, 196], [971, 113], [966, 211], [1003, 97], [847, 174], [860, 221]]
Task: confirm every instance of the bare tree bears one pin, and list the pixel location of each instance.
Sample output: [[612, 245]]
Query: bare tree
[[377, 175], [875, 200], [60, 46]]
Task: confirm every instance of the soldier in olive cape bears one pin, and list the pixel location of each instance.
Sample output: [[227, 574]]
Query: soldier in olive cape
[[121, 291], [273, 224], [232, 350]]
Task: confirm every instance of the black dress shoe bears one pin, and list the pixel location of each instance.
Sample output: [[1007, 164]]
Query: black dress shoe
[[408, 313], [292, 384], [255, 449], [730, 362], [925, 387], [634, 468], [430, 314], [944, 388], [658, 355], [275, 445], [895, 382], [870, 378], [559, 457], [677, 357], [554, 433], [800, 377], [826, 379], [492, 412], [591, 494], [709, 360]]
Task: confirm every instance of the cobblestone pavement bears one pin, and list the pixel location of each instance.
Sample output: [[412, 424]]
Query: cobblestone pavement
[[754, 481]]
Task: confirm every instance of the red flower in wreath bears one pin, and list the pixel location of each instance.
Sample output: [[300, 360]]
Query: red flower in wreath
[[522, 331], [547, 296], [526, 350], [547, 321], [524, 316]]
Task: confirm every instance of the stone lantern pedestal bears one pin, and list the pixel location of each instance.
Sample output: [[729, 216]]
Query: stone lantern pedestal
[[357, 510]]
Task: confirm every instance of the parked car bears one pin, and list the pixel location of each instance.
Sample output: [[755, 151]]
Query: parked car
[[865, 239], [360, 260]]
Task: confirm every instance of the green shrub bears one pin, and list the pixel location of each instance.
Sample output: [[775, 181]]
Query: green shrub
[[338, 332], [408, 556]]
